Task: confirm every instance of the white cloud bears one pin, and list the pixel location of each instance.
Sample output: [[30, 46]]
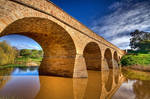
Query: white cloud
[[126, 17]]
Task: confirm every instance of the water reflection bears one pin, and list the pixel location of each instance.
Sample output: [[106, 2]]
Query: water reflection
[[19, 86], [144, 87], [24, 83]]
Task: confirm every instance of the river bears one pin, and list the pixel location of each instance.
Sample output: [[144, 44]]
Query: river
[[25, 83]]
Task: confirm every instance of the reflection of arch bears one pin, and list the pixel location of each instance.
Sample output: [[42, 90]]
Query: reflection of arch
[[109, 81], [116, 75], [92, 55], [94, 85], [108, 57], [58, 46]]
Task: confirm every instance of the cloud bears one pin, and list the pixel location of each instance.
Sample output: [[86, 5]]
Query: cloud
[[125, 17]]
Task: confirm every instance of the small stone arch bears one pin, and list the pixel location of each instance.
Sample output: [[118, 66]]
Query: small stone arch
[[116, 59], [92, 55]]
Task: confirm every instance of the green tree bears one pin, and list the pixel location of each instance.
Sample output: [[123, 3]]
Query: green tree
[[144, 45], [25, 52], [7, 53], [137, 37]]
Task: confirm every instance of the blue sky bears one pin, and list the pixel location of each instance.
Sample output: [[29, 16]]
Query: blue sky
[[112, 19], [21, 42]]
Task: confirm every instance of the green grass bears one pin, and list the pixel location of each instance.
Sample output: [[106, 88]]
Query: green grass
[[22, 62], [28, 59], [38, 59], [136, 59]]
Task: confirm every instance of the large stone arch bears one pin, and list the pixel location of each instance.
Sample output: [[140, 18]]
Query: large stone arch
[[108, 58], [92, 55], [58, 46]]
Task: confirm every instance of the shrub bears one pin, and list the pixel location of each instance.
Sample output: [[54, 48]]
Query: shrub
[[128, 60]]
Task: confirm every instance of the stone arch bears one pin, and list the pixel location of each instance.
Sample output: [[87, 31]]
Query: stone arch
[[108, 58], [58, 46], [116, 56], [92, 55], [116, 59]]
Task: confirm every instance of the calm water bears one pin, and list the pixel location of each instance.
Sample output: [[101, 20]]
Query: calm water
[[25, 83]]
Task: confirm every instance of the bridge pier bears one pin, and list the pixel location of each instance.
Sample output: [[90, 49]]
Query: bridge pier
[[57, 66], [80, 69], [66, 66]]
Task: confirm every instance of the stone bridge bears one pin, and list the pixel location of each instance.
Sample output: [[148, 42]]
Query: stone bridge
[[70, 48]]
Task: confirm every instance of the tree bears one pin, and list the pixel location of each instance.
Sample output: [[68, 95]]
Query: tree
[[144, 45], [25, 52], [7, 53], [137, 37]]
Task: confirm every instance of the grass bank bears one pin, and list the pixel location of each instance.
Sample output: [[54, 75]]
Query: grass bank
[[23, 62], [12, 66], [136, 59]]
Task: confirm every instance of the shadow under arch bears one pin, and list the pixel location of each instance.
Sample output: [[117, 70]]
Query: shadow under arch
[[116, 66], [108, 58], [116, 60], [92, 55], [58, 46]]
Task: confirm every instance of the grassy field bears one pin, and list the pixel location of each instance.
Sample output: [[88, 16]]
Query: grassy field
[[22, 62], [25, 60], [136, 59]]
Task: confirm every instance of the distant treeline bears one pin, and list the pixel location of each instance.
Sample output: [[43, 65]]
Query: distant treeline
[[8, 54], [31, 53]]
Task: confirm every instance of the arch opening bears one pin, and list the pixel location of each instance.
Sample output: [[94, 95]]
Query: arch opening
[[26, 54], [116, 60], [108, 58], [92, 55], [58, 46]]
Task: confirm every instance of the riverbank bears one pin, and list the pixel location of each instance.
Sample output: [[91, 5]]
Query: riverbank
[[23, 63], [139, 68], [14, 66], [135, 74]]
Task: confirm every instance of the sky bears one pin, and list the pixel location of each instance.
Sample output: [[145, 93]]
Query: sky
[[111, 19], [21, 42]]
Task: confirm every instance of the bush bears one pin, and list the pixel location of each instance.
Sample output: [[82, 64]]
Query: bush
[[138, 59], [128, 60]]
